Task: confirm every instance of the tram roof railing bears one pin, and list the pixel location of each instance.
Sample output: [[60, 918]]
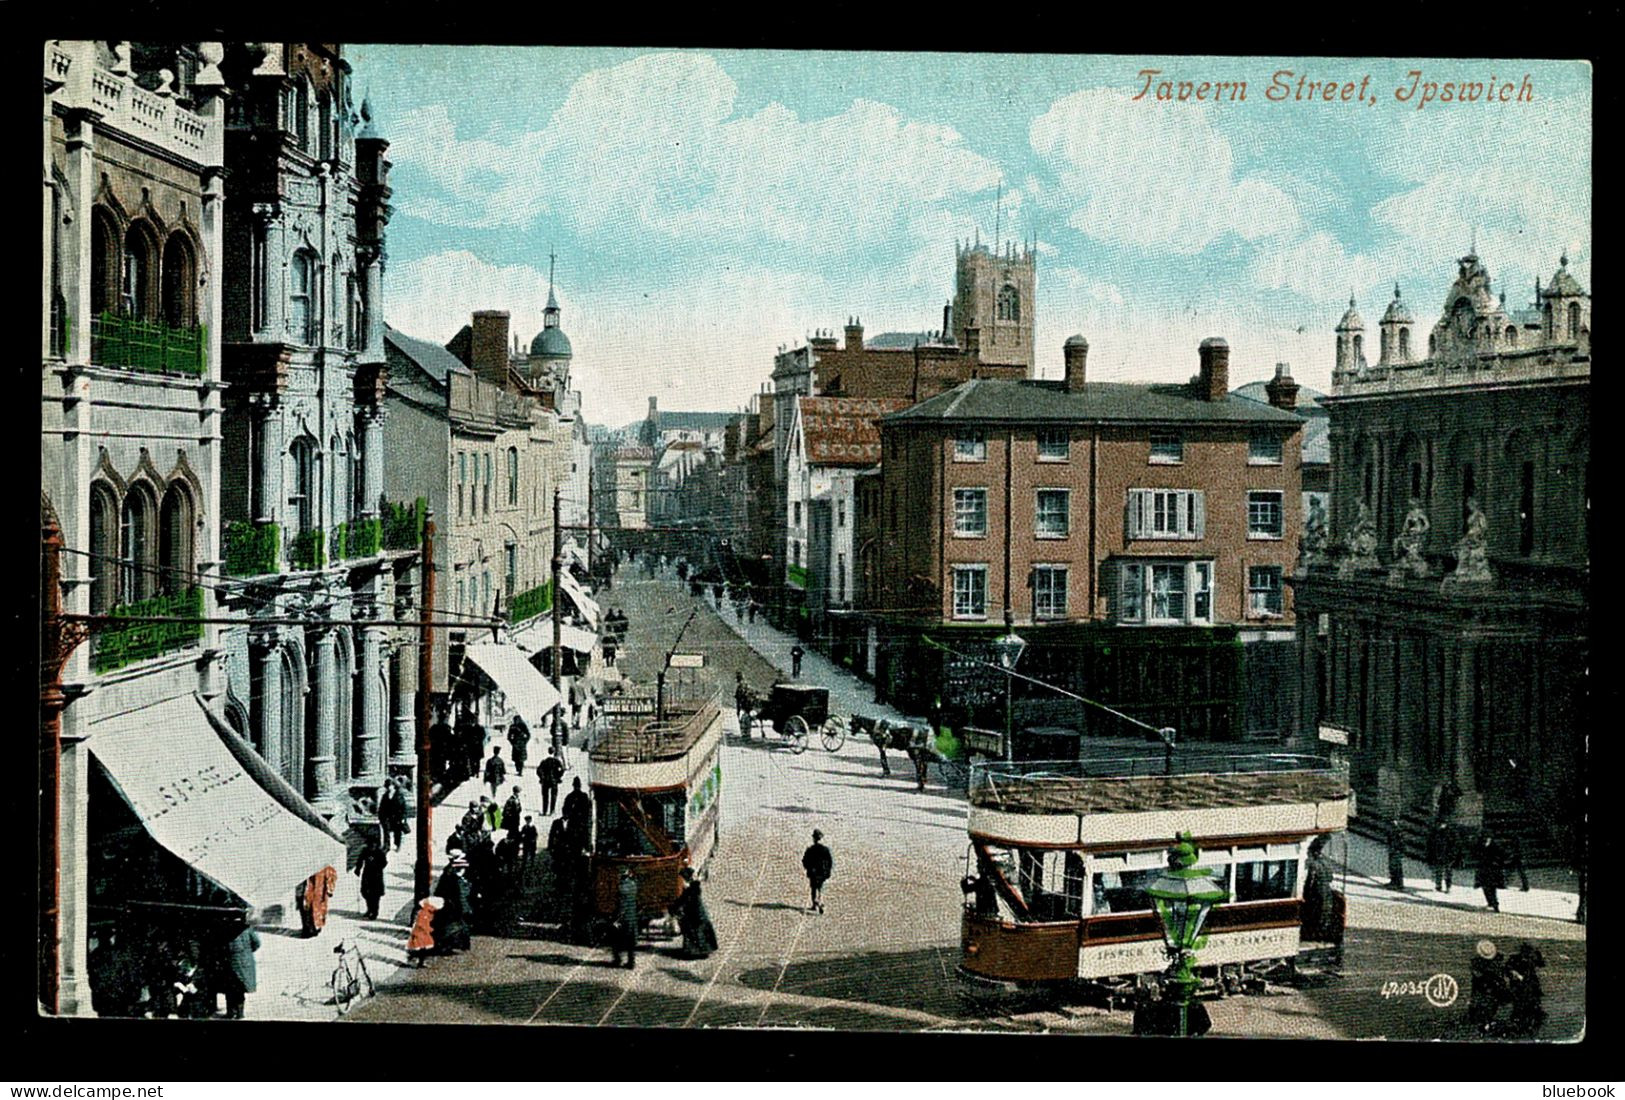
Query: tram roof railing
[[1203, 778], [641, 740]]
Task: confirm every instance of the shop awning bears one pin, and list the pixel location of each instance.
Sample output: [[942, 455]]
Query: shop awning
[[196, 800], [583, 602], [527, 690], [540, 637]]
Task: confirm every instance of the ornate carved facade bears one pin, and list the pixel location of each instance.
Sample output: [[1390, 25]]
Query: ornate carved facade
[[1459, 653]]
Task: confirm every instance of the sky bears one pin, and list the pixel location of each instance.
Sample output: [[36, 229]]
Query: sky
[[710, 206]]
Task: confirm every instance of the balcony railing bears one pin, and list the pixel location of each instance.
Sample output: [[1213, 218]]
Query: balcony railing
[[253, 549], [306, 550], [150, 346], [353, 539], [403, 524], [528, 605], [118, 646]]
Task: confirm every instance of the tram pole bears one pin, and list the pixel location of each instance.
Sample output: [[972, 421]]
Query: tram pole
[[558, 567], [52, 702], [425, 839]]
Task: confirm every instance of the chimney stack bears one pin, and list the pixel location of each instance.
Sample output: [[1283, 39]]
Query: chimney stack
[[947, 320], [488, 345], [1282, 390], [1076, 353], [653, 409], [973, 342], [1213, 383], [854, 334]]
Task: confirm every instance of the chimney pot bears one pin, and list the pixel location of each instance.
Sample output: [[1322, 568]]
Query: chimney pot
[[1075, 352], [1282, 390], [1213, 383]]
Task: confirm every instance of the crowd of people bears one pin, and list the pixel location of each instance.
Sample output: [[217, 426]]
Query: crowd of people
[[147, 972], [1506, 983]]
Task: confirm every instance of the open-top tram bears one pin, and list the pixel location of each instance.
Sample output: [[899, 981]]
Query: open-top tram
[[1062, 853], [656, 788]]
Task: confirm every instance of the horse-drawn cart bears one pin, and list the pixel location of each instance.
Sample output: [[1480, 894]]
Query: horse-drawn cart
[[793, 711]]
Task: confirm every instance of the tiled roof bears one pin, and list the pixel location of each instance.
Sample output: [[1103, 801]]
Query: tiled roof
[[844, 431], [692, 421], [433, 359], [997, 401]]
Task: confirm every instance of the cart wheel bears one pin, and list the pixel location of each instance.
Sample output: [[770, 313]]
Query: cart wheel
[[834, 732], [795, 729]]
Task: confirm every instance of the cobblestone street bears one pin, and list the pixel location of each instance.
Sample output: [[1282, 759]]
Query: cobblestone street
[[883, 956]]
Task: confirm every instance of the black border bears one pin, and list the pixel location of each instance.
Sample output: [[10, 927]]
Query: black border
[[52, 1051]]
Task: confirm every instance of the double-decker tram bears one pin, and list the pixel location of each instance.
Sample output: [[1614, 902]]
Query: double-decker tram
[[1062, 853], [656, 789]]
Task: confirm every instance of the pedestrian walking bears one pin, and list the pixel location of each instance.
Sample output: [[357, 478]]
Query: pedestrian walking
[[796, 654], [421, 942], [699, 936], [371, 869], [818, 863], [1523, 990], [528, 838], [624, 936], [919, 751], [1442, 854], [1488, 991], [490, 818], [473, 822], [450, 925], [496, 770], [313, 898], [609, 651], [1396, 854], [392, 814], [1491, 870], [471, 739], [578, 811], [552, 774], [519, 745], [239, 977], [513, 812], [750, 611]]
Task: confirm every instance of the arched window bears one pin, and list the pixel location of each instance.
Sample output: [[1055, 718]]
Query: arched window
[[358, 489], [1511, 336], [104, 261], [137, 580], [180, 282], [176, 555], [487, 496], [1404, 343], [1359, 350], [136, 285], [1433, 343], [302, 500], [1526, 511], [104, 549], [352, 299], [324, 125], [301, 297], [1009, 304], [338, 489], [513, 475], [1574, 320], [301, 114], [259, 272]]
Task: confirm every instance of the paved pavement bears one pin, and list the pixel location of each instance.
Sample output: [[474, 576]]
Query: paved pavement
[[883, 955]]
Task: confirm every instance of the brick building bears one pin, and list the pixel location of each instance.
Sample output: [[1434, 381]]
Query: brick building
[[1138, 535], [1460, 657]]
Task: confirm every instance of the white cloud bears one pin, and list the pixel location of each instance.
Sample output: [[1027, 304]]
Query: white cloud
[[1154, 176], [648, 154]]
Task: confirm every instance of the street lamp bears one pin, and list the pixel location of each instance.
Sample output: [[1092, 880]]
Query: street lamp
[[1007, 649], [1184, 896]]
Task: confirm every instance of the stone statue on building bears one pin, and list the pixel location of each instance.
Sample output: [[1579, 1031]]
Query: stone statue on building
[[1472, 552], [1361, 546], [1409, 543], [1312, 546]]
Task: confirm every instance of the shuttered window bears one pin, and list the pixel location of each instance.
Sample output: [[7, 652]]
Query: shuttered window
[[1166, 514]]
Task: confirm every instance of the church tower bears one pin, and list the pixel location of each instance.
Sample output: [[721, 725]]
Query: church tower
[[995, 294]]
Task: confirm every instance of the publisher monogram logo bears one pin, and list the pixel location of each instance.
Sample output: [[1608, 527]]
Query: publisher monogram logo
[[1441, 990]]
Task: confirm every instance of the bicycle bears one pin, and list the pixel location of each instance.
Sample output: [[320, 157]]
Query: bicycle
[[348, 981]]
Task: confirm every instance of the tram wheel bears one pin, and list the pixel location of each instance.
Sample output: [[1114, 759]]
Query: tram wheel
[[796, 730], [833, 733]]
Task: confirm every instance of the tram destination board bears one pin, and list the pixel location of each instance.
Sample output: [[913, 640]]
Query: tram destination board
[[970, 680], [628, 706]]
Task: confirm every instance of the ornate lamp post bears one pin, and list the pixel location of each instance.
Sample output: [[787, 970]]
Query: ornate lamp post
[[1184, 896], [1007, 648]]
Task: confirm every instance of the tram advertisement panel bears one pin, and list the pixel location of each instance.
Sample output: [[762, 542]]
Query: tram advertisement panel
[[704, 807]]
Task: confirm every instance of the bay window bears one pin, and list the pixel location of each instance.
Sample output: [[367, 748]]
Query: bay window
[[1164, 592]]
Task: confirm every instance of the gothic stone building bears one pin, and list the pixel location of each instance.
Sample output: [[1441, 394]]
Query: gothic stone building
[[1137, 535], [1420, 674], [308, 533]]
